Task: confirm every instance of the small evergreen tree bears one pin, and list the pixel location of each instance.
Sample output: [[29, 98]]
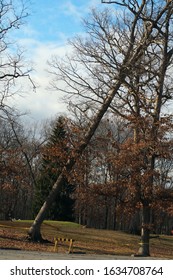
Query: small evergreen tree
[[53, 158]]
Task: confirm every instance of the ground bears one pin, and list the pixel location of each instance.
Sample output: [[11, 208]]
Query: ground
[[13, 235]]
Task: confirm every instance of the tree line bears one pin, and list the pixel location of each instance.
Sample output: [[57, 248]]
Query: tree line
[[94, 194]]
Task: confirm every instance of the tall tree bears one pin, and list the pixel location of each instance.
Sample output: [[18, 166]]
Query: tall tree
[[13, 69], [122, 65]]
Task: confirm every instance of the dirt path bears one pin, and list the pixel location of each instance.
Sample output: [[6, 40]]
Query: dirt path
[[6, 254]]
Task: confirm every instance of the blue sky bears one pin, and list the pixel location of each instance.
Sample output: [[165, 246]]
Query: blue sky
[[49, 20], [45, 33], [52, 18]]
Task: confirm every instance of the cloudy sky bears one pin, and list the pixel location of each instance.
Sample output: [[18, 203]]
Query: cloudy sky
[[45, 33]]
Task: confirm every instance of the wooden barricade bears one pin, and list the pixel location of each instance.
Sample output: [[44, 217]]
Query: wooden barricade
[[58, 240]]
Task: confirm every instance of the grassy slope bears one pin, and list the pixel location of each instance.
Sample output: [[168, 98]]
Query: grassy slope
[[13, 235]]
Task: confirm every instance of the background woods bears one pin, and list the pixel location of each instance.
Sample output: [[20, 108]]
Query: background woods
[[100, 191]]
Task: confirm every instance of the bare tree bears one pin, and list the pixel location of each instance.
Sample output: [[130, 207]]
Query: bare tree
[[12, 63], [13, 71], [122, 65]]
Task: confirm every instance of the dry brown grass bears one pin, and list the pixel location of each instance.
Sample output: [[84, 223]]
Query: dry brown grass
[[14, 235]]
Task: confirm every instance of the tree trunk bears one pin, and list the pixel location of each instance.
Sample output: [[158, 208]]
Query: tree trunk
[[144, 249], [35, 230]]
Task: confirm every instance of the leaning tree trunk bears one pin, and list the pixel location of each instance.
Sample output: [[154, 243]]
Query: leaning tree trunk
[[35, 230], [144, 249]]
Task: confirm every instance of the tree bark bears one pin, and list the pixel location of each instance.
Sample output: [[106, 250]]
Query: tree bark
[[35, 230], [144, 249]]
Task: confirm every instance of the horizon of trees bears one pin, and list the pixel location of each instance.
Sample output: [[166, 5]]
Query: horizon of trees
[[98, 199]]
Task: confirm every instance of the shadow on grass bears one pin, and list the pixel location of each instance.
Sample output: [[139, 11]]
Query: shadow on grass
[[10, 248]]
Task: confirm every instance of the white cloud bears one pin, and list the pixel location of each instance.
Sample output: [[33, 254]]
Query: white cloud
[[43, 103], [79, 11], [29, 31], [72, 10]]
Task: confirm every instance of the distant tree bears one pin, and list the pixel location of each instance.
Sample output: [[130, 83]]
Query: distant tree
[[52, 163]]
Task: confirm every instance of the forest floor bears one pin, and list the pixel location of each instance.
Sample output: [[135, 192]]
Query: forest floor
[[13, 235]]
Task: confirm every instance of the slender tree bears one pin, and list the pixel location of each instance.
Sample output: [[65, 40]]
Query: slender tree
[[13, 69]]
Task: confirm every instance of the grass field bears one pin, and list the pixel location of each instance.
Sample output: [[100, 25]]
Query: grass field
[[13, 235]]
